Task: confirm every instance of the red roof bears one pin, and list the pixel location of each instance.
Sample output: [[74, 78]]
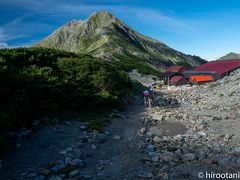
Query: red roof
[[176, 79], [219, 67], [177, 69]]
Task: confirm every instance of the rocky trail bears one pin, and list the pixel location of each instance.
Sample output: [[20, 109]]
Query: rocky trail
[[69, 149], [191, 130]]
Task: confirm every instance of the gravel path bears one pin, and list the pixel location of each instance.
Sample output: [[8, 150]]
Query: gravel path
[[116, 158]]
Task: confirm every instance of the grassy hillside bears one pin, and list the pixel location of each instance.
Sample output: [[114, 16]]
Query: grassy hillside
[[36, 82]]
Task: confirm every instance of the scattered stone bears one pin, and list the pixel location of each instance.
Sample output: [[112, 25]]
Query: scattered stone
[[18, 145], [143, 174], [73, 173], [58, 167], [55, 178], [62, 152], [60, 130], [117, 115], [69, 149], [201, 133], [199, 127], [107, 133], [41, 177], [43, 171], [93, 146], [143, 130], [158, 117], [150, 148], [155, 131], [156, 139], [155, 158], [117, 137], [31, 175], [165, 176], [167, 157], [36, 123], [236, 151], [188, 157], [101, 137], [26, 132], [77, 162], [83, 127], [224, 161]]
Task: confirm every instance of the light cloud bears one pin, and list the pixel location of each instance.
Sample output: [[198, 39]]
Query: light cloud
[[143, 15], [61, 7], [19, 28]]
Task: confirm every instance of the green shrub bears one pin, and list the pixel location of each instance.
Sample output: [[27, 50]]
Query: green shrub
[[37, 82], [221, 95]]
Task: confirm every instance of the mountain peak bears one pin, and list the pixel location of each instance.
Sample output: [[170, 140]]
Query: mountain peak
[[102, 14], [104, 35], [102, 19]]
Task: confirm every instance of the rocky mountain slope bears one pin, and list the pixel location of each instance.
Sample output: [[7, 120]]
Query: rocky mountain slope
[[230, 55], [103, 35]]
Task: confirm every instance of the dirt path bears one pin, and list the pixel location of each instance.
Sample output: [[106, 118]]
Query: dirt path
[[116, 158]]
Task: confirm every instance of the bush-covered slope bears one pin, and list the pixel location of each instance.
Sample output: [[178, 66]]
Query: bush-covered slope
[[36, 82]]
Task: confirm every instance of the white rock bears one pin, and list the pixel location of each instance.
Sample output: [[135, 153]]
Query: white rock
[[62, 152], [156, 139], [93, 146], [117, 137], [142, 130], [201, 133], [73, 173]]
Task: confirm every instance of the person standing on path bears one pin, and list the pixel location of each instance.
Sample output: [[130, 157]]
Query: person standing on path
[[146, 94], [148, 97]]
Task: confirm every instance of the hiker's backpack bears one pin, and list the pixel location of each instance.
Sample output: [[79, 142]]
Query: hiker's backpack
[[146, 93]]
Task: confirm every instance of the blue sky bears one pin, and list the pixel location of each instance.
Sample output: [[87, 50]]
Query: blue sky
[[207, 28]]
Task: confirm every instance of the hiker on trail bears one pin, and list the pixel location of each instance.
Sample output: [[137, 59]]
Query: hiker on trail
[[146, 94], [151, 96], [148, 97]]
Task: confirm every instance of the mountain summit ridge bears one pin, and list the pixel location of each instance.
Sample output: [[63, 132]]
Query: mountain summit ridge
[[105, 36]]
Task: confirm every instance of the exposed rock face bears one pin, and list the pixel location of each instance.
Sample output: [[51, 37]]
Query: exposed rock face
[[103, 35]]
